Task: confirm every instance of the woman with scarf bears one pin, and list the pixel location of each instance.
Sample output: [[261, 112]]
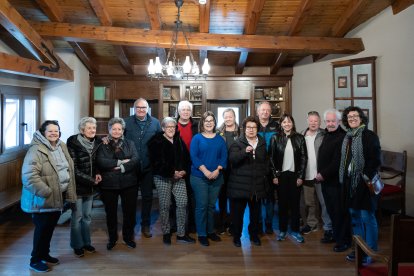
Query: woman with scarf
[[82, 148], [360, 158], [118, 162], [48, 180]]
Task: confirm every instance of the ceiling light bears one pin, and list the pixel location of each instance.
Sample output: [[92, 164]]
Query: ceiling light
[[172, 68]]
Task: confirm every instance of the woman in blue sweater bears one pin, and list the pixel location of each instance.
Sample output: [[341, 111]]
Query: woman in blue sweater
[[208, 153]]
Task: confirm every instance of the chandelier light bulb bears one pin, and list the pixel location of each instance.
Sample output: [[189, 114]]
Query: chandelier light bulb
[[206, 67], [158, 66], [195, 70], [170, 69], [202, 2], [187, 65], [151, 67]]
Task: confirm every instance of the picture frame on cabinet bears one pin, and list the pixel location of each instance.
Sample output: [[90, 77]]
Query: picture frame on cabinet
[[197, 110], [362, 80], [172, 110], [342, 82], [166, 93]]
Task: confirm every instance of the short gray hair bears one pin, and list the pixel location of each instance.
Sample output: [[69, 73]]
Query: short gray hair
[[333, 111], [142, 100], [167, 120], [116, 120], [83, 121], [183, 104]]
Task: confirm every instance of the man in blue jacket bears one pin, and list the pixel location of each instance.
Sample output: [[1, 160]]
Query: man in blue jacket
[[140, 128]]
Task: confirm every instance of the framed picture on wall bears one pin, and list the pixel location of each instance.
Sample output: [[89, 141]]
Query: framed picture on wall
[[362, 80], [166, 93], [342, 82]]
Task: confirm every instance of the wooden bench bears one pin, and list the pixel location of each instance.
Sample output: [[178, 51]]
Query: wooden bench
[[9, 198]]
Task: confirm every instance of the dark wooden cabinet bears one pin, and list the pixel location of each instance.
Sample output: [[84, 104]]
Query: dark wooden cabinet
[[277, 94]]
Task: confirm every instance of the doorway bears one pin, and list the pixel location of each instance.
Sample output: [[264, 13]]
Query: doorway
[[218, 106]]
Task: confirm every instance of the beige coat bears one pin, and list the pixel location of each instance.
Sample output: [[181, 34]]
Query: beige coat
[[41, 189]]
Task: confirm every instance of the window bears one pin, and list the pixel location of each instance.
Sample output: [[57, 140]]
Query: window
[[20, 120]]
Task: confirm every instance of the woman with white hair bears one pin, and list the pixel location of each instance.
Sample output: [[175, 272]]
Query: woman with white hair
[[82, 148], [170, 162]]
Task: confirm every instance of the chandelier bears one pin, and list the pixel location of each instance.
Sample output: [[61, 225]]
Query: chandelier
[[172, 68]]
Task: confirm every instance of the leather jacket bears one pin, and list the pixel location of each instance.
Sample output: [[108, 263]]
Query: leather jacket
[[277, 151]]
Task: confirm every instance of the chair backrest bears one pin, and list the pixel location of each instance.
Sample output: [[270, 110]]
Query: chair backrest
[[402, 242], [394, 164]]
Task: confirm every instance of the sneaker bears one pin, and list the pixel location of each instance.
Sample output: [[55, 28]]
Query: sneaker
[[89, 249], [185, 239], [298, 237], [281, 236], [50, 260], [79, 252], [351, 256], [308, 229], [39, 267], [146, 232], [203, 241], [130, 244], [166, 239], [214, 237], [110, 245]]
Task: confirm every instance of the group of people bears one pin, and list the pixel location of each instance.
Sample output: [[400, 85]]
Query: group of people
[[195, 163]]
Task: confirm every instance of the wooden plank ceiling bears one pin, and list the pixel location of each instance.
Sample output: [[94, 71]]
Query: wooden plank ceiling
[[122, 35]]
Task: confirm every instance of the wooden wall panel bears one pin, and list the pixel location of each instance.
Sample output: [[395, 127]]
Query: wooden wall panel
[[10, 174], [228, 90], [136, 89]]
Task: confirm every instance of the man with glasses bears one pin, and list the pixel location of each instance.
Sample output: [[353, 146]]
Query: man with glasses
[[140, 128], [268, 127], [329, 157]]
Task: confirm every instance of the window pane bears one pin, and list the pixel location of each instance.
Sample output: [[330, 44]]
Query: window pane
[[30, 120], [11, 123]]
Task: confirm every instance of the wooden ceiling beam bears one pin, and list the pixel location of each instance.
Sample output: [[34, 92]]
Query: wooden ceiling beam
[[54, 13], [346, 21], [29, 67], [204, 11], [253, 16], [400, 5], [295, 27], [154, 15], [51, 9], [102, 13], [217, 42], [241, 63], [84, 57], [17, 26]]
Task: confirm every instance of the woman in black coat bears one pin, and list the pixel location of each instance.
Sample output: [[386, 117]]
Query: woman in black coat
[[247, 181], [118, 163], [288, 157], [82, 148]]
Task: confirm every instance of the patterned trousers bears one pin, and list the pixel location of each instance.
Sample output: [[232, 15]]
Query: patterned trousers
[[166, 187]]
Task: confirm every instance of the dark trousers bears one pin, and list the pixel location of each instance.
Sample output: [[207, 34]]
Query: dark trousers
[[238, 206], [129, 208], [222, 204], [341, 221], [289, 201], [45, 224], [146, 184]]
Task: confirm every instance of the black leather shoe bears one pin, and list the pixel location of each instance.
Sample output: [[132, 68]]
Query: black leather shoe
[[146, 232], [341, 247], [131, 244], [166, 239], [214, 237], [237, 242], [203, 241], [256, 240], [110, 245]]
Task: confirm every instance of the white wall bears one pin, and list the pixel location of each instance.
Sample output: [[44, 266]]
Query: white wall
[[65, 101], [390, 38]]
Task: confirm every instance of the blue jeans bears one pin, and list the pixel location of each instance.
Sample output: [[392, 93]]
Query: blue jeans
[[205, 194], [365, 225], [80, 234]]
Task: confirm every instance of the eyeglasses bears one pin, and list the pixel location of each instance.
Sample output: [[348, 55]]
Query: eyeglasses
[[251, 128], [169, 127], [209, 121], [352, 117], [141, 107]]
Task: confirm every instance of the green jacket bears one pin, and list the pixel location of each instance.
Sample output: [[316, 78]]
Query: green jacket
[[41, 189]]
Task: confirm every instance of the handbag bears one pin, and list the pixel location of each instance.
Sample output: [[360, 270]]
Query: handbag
[[376, 184]]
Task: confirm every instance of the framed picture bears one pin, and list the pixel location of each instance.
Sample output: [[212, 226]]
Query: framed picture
[[342, 82], [362, 80], [172, 110], [258, 94], [166, 93], [197, 110]]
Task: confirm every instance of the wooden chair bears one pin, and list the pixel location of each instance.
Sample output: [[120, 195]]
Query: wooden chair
[[401, 251], [393, 172]]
